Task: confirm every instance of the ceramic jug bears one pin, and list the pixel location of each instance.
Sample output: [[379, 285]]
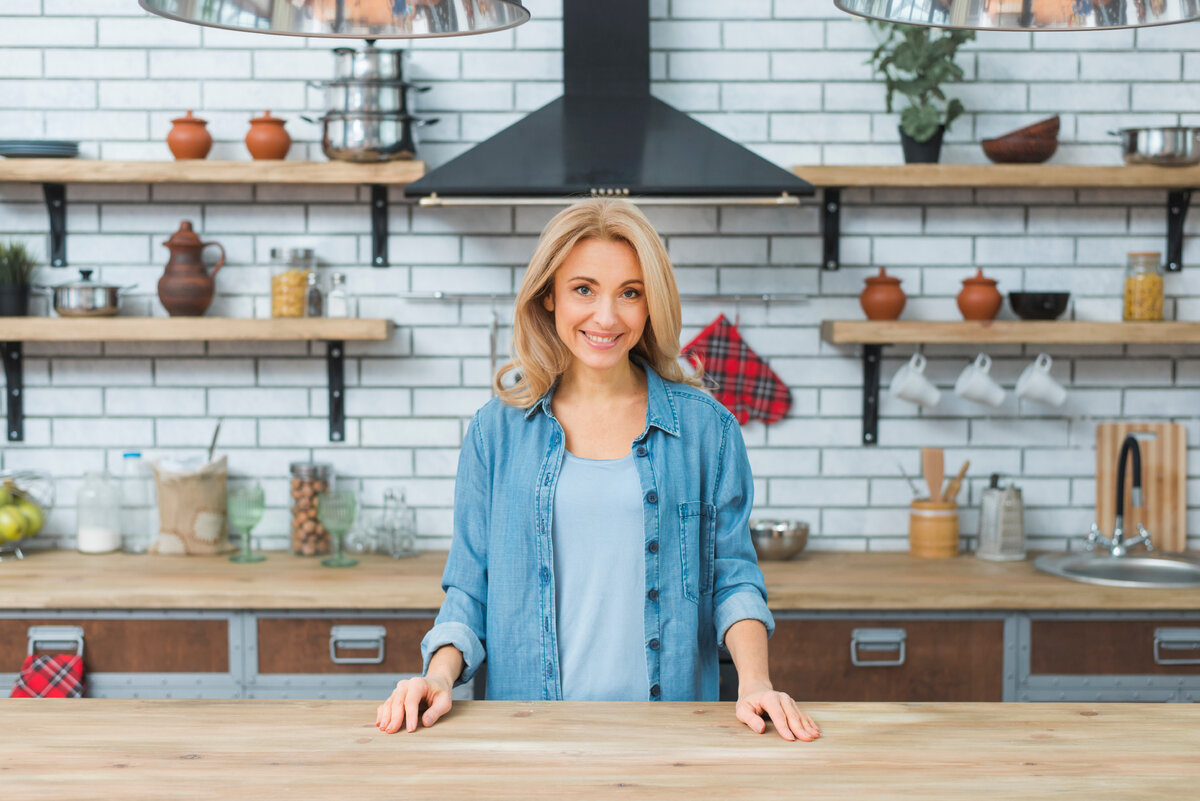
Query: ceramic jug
[[188, 138], [186, 288]]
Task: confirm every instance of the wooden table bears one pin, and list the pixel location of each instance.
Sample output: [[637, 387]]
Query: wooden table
[[296, 750]]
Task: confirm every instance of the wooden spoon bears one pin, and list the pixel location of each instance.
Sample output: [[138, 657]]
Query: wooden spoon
[[955, 484], [933, 467]]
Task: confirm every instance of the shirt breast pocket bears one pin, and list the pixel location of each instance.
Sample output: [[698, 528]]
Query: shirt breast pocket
[[697, 530]]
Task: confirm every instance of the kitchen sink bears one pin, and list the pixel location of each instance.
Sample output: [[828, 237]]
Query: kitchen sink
[[1142, 570]]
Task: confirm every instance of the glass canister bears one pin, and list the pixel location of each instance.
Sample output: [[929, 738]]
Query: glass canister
[[1144, 287], [309, 479], [98, 514], [289, 280]]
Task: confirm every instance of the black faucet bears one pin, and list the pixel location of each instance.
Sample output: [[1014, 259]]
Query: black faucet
[[1118, 545]]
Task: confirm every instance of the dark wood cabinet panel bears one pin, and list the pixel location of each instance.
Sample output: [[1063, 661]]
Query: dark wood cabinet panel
[[1104, 647], [132, 646], [301, 645], [945, 660]]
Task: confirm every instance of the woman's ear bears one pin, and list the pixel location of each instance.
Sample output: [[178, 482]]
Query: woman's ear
[[548, 301]]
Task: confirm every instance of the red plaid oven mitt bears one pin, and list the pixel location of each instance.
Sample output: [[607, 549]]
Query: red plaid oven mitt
[[744, 382], [57, 676]]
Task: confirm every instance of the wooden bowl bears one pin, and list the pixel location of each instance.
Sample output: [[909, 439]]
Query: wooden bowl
[[1019, 149], [1045, 129]]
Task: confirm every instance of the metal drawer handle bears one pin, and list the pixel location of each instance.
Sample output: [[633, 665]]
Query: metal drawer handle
[[356, 638], [55, 636], [877, 640], [1176, 640]]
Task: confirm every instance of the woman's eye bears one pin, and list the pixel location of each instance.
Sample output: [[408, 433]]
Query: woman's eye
[[632, 294], [583, 289]]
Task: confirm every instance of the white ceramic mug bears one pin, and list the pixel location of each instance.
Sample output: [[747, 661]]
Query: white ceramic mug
[[910, 383], [976, 384], [1035, 383]]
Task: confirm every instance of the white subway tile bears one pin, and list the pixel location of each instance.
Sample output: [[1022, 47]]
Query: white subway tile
[[672, 35], [753, 35], [194, 64], [715, 9], [818, 492], [718, 250], [47, 32], [517, 66], [302, 432], [234, 402], [1028, 67], [411, 433], [145, 95], [449, 402], [38, 94], [818, 127], [718, 66], [73, 432]]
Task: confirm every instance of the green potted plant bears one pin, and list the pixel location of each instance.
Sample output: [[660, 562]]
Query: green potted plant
[[16, 277], [915, 61]]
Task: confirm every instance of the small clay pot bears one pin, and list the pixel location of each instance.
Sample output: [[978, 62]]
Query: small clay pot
[[882, 299], [267, 139], [979, 298], [188, 138]]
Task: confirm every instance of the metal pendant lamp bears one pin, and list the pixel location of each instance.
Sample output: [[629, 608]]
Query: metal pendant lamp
[[1027, 15], [350, 19]]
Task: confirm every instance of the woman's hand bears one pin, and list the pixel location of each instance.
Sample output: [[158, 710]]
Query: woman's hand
[[405, 704], [789, 721]]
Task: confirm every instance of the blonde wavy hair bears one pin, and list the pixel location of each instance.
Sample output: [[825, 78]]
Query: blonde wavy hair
[[538, 354]]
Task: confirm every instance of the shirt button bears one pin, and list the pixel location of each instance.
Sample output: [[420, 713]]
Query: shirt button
[[545, 574], [652, 595], [653, 546], [655, 691], [654, 644], [641, 450], [652, 497]]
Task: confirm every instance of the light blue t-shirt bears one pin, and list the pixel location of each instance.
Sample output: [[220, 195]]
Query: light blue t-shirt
[[599, 573]]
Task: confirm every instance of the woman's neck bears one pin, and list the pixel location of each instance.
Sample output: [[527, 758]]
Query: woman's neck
[[582, 383]]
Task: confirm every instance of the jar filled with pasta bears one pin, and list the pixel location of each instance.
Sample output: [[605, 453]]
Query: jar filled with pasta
[[1144, 287], [289, 280]]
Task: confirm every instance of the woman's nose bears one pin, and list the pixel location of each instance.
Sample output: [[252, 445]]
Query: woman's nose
[[605, 312]]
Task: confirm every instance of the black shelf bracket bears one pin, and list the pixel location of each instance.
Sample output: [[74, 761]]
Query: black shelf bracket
[[335, 361], [1177, 209], [56, 204], [379, 225], [14, 375], [872, 358], [831, 228]]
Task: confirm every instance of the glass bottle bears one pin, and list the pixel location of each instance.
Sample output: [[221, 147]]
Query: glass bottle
[[401, 526], [287, 285], [337, 300], [314, 300], [98, 514], [1144, 287], [309, 480], [138, 525]]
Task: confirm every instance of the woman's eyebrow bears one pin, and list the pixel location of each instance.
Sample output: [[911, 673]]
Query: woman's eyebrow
[[594, 281]]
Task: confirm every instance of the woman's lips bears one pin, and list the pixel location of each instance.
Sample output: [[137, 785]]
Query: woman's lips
[[601, 342]]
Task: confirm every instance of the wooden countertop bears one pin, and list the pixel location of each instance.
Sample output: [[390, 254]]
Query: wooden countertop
[[64, 579], [154, 749]]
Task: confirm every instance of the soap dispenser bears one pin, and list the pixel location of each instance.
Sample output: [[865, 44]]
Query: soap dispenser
[[1001, 523]]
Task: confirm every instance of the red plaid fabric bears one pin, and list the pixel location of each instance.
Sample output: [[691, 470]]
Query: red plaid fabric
[[58, 676], [743, 381]]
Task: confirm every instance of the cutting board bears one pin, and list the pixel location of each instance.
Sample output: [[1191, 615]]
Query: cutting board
[[1164, 481]]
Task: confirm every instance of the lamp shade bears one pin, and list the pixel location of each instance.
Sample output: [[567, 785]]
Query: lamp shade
[[1027, 15], [351, 19]]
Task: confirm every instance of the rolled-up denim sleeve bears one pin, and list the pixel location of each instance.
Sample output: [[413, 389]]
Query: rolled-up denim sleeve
[[739, 592], [462, 620]]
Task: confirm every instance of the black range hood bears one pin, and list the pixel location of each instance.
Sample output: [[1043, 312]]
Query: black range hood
[[607, 135]]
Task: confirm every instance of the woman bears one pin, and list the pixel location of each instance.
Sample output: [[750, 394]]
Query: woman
[[595, 569]]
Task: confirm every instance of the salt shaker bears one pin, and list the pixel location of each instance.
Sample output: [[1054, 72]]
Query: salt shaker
[[314, 300]]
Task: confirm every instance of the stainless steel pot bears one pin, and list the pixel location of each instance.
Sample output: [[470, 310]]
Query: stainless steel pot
[[1165, 147], [370, 137], [776, 540], [87, 298], [368, 64], [366, 97]]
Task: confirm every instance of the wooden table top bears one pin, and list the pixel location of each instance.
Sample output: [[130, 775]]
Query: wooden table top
[[154, 749], [65, 579]]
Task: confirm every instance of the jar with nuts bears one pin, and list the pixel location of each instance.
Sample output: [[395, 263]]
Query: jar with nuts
[[1144, 287], [309, 479]]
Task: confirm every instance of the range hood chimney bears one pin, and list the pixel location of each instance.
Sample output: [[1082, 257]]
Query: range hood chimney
[[607, 136]]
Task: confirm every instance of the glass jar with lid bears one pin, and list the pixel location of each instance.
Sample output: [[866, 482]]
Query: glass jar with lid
[[309, 479], [289, 280], [1144, 287], [98, 514]]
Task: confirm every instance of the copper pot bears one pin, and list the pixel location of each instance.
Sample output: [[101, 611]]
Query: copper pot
[[187, 287], [979, 298], [882, 299]]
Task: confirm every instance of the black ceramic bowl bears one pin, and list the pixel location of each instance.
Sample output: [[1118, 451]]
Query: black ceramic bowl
[[1038, 305]]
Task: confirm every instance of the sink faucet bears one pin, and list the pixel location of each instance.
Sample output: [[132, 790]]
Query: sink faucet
[[1118, 545]]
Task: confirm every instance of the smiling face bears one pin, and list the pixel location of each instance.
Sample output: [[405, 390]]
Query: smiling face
[[599, 303]]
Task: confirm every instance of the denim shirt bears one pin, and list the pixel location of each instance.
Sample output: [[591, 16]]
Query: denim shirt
[[701, 573]]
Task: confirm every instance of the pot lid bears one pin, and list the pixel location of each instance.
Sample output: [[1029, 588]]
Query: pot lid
[[981, 279], [185, 237], [349, 19], [188, 117], [267, 118], [85, 282], [882, 278], [1024, 15]]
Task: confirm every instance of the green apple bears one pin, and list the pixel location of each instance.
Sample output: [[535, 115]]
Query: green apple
[[5, 495], [12, 524], [35, 518]]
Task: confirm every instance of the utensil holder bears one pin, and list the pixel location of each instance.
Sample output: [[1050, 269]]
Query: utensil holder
[[933, 529]]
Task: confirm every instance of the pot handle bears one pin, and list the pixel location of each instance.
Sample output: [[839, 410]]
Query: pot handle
[[421, 89], [310, 119], [220, 261], [426, 120], [316, 84]]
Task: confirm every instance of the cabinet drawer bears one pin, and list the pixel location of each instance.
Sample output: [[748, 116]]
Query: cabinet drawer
[[132, 646], [301, 645], [943, 660], [1110, 647]]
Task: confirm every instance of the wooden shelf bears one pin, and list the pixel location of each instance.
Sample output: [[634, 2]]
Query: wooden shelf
[[897, 332], [81, 171], [982, 176], [180, 329]]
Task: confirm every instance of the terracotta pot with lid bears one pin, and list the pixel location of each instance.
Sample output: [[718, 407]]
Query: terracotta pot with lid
[[882, 299], [267, 139], [979, 298], [186, 288], [189, 138]]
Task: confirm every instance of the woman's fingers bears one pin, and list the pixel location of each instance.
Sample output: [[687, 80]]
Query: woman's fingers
[[775, 709], [746, 714], [438, 707], [412, 705], [807, 725], [393, 709]]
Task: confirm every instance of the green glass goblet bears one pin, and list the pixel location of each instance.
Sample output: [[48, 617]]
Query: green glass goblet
[[336, 511], [246, 506]]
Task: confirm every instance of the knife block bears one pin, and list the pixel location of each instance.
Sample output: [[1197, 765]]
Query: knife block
[[933, 529]]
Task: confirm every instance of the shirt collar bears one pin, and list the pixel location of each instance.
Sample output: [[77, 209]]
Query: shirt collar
[[660, 409]]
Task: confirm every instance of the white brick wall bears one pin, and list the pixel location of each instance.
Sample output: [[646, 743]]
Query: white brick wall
[[786, 78]]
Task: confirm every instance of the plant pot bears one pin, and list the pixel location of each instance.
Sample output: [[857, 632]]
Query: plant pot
[[14, 300], [922, 152]]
